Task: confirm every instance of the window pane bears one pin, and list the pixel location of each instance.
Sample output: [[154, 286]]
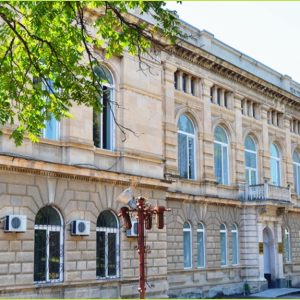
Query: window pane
[[220, 135], [253, 177], [97, 129], [51, 129], [200, 244], [100, 253], [106, 126], [107, 219], [234, 248], [223, 248], [40, 255], [250, 159], [54, 255], [275, 171], [47, 216], [185, 124], [249, 144], [187, 249], [248, 181], [182, 155], [225, 165], [218, 162], [191, 159], [112, 257]]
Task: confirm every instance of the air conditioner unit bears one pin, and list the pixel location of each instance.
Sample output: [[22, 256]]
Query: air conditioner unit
[[15, 223], [133, 232], [80, 227]]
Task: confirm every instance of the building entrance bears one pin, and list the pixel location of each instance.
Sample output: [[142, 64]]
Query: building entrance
[[269, 258]]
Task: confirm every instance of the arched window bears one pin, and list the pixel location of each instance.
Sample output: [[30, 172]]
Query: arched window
[[186, 147], [48, 246], [201, 246], [107, 252], [287, 245], [221, 156], [52, 126], [296, 166], [250, 161], [103, 121], [187, 245], [234, 244], [223, 244], [275, 165]]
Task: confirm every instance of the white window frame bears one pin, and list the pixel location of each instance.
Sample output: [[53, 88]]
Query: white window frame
[[249, 169], [190, 246], [201, 230], [235, 231], [57, 123], [192, 136], [48, 229], [223, 231], [106, 231], [287, 245], [224, 145], [111, 88], [278, 164], [296, 175]]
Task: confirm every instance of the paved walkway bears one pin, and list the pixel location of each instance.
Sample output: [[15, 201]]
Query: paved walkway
[[275, 293]]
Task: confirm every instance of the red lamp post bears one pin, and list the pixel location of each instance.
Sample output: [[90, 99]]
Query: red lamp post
[[144, 214]]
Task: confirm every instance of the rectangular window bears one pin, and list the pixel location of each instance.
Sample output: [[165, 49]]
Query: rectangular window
[[223, 249], [112, 257], [54, 255], [184, 83], [187, 249], [193, 86], [100, 253], [183, 153], [40, 255], [234, 248], [200, 244]]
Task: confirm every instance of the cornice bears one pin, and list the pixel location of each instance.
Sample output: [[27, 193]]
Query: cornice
[[213, 63], [39, 167]]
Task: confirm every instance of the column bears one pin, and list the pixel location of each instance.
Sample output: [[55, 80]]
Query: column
[[250, 109], [179, 80], [239, 166], [215, 95], [208, 157], [170, 128], [288, 168], [222, 97], [265, 159], [188, 84], [260, 228]]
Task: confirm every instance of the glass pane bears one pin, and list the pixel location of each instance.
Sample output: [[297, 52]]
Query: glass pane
[[218, 162], [187, 249], [275, 172], [182, 155], [54, 255], [191, 158], [186, 225], [100, 254], [47, 216], [220, 135], [112, 254], [51, 129], [234, 248], [248, 179], [223, 248], [40, 255], [200, 244], [106, 126], [250, 159], [249, 144], [274, 151], [184, 83], [296, 157], [296, 178], [253, 177], [200, 226], [107, 219], [104, 74], [185, 124], [225, 165], [96, 129]]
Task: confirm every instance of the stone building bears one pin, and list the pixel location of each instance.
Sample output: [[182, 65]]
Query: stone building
[[217, 141]]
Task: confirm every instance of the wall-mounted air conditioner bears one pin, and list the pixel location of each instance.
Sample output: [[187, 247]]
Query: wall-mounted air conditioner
[[15, 223], [133, 232], [80, 227]]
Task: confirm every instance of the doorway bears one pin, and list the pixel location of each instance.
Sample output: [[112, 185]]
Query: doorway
[[269, 258]]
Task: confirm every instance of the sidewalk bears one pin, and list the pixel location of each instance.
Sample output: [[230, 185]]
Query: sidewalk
[[275, 293]]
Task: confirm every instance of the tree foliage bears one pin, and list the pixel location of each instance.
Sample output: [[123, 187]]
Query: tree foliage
[[43, 42]]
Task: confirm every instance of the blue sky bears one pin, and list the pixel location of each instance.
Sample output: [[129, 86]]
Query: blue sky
[[267, 31]]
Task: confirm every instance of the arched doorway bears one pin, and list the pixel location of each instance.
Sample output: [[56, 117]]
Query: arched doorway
[[269, 263]]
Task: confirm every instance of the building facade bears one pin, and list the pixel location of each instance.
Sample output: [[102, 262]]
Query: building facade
[[216, 140]]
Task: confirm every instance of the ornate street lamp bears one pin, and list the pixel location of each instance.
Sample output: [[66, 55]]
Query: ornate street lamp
[[144, 214]]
